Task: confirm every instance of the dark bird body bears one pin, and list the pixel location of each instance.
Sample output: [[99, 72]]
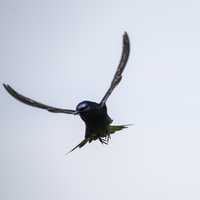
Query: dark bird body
[[96, 119], [95, 116]]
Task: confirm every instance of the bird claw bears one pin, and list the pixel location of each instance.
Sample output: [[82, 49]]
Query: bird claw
[[105, 140]]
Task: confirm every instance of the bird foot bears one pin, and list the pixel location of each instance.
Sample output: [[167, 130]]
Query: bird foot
[[105, 140]]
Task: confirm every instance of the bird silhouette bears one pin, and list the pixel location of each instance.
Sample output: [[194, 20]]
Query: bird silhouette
[[97, 121]]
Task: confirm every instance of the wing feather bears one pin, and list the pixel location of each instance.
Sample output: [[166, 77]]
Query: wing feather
[[118, 74], [34, 103]]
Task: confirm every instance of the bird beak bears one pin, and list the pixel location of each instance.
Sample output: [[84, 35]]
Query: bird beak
[[76, 113]]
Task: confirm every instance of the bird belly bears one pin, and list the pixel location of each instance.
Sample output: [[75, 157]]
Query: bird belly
[[96, 130]]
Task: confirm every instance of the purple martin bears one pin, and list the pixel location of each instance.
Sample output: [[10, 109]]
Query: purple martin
[[97, 121]]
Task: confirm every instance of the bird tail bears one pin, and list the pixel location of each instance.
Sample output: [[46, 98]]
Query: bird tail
[[114, 128], [81, 144]]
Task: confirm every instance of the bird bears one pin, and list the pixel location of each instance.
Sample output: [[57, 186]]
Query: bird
[[98, 124]]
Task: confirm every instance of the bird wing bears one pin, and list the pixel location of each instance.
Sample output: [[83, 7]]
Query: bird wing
[[34, 103], [118, 74]]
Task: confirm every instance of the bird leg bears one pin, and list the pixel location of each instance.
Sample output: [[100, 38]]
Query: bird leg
[[108, 137], [103, 141]]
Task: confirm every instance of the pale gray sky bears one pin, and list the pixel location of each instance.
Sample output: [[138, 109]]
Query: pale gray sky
[[62, 52]]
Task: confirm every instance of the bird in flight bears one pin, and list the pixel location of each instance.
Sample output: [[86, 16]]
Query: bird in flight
[[97, 121]]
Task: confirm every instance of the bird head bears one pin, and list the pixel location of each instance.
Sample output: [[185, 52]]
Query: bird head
[[84, 106], [88, 109]]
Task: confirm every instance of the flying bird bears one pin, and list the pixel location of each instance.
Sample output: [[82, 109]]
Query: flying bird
[[97, 121]]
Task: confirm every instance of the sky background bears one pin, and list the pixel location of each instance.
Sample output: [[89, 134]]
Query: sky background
[[63, 52]]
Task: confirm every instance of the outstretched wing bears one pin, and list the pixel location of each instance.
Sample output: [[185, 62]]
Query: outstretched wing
[[118, 74], [34, 103]]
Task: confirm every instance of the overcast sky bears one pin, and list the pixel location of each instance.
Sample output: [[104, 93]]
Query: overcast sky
[[62, 52]]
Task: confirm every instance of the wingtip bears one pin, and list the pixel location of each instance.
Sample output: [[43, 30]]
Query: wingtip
[[5, 86], [125, 33], [125, 37]]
